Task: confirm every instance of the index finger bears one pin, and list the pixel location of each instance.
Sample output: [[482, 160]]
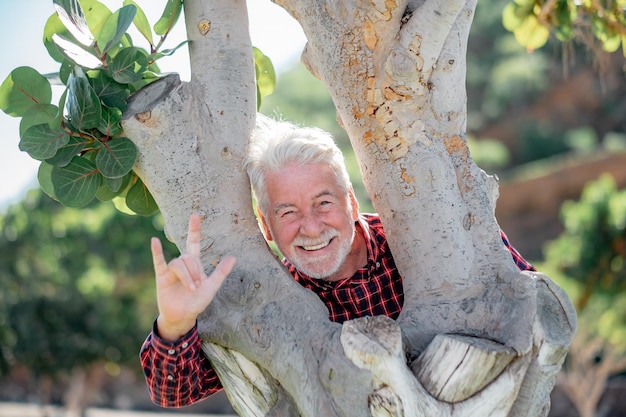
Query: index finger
[[193, 235]]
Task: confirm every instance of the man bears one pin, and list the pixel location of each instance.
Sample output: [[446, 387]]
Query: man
[[307, 206]]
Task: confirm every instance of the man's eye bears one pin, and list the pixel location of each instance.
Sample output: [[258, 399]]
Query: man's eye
[[287, 213]]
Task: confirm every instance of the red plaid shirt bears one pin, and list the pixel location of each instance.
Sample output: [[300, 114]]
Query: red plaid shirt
[[178, 373]]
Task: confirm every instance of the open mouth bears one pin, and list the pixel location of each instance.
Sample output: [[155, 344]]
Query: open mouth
[[318, 246]]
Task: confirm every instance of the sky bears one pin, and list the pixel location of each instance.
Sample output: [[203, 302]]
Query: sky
[[272, 30]]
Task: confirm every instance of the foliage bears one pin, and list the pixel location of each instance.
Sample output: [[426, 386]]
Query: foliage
[[80, 142], [532, 21], [587, 261], [592, 247], [76, 285]]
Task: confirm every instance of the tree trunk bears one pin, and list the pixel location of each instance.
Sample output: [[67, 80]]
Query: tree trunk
[[481, 337]]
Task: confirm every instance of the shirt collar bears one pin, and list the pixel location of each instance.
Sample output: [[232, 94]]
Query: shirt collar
[[362, 274]]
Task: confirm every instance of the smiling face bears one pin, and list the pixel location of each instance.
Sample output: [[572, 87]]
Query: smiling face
[[312, 220]]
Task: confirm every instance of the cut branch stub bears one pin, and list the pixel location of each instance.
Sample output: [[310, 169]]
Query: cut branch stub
[[455, 367]]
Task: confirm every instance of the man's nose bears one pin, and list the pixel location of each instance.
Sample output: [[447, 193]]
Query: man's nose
[[311, 224]]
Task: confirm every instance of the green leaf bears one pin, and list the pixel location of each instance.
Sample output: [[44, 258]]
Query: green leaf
[[65, 153], [169, 17], [83, 105], [110, 92], [76, 184], [113, 187], [116, 157], [96, 14], [76, 53], [110, 121], [115, 27], [22, 89], [139, 199], [66, 71], [42, 142], [38, 114], [141, 22], [265, 74], [44, 177], [129, 65], [71, 15], [54, 26], [168, 52]]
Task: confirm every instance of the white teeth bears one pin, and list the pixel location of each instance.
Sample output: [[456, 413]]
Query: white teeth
[[316, 247]]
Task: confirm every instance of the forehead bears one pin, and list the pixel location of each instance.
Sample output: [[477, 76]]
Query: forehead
[[301, 181]]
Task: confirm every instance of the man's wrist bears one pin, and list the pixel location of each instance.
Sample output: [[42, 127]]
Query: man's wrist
[[172, 332]]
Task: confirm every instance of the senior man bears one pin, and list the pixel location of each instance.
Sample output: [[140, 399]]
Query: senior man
[[307, 206]]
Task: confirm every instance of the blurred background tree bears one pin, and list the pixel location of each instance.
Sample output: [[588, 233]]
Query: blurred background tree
[[77, 289], [589, 261]]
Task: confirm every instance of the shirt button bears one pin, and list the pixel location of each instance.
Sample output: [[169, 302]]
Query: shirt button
[[185, 345], [170, 377], [171, 351]]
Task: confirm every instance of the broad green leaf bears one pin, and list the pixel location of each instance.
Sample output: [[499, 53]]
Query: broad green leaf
[[118, 185], [111, 93], [116, 157], [83, 105], [139, 199], [44, 177], [265, 74], [54, 26], [110, 121], [115, 27], [141, 22], [113, 187], [76, 184], [96, 14], [531, 34], [104, 193], [22, 89], [71, 15], [65, 154], [169, 17], [76, 53], [129, 65], [38, 114], [42, 142]]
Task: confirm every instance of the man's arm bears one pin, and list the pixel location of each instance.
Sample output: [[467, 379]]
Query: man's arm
[[177, 373], [176, 370]]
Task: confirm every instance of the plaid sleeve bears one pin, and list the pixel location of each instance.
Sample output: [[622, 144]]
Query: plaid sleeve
[[521, 263], [177, 373]]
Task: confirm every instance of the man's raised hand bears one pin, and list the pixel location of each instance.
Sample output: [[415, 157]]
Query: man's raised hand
[[183, 289]]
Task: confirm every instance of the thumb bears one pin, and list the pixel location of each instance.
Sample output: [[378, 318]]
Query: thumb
[[217, 277]]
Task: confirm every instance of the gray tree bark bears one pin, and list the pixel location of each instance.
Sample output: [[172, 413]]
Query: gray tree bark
[[475, 337]]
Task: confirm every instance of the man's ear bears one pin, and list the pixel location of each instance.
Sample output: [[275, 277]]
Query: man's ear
[[354, 203], [264, 227]]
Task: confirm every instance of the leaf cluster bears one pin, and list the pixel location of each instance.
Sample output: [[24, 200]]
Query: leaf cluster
[[80, 141], [592, 247], [532, 21]]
